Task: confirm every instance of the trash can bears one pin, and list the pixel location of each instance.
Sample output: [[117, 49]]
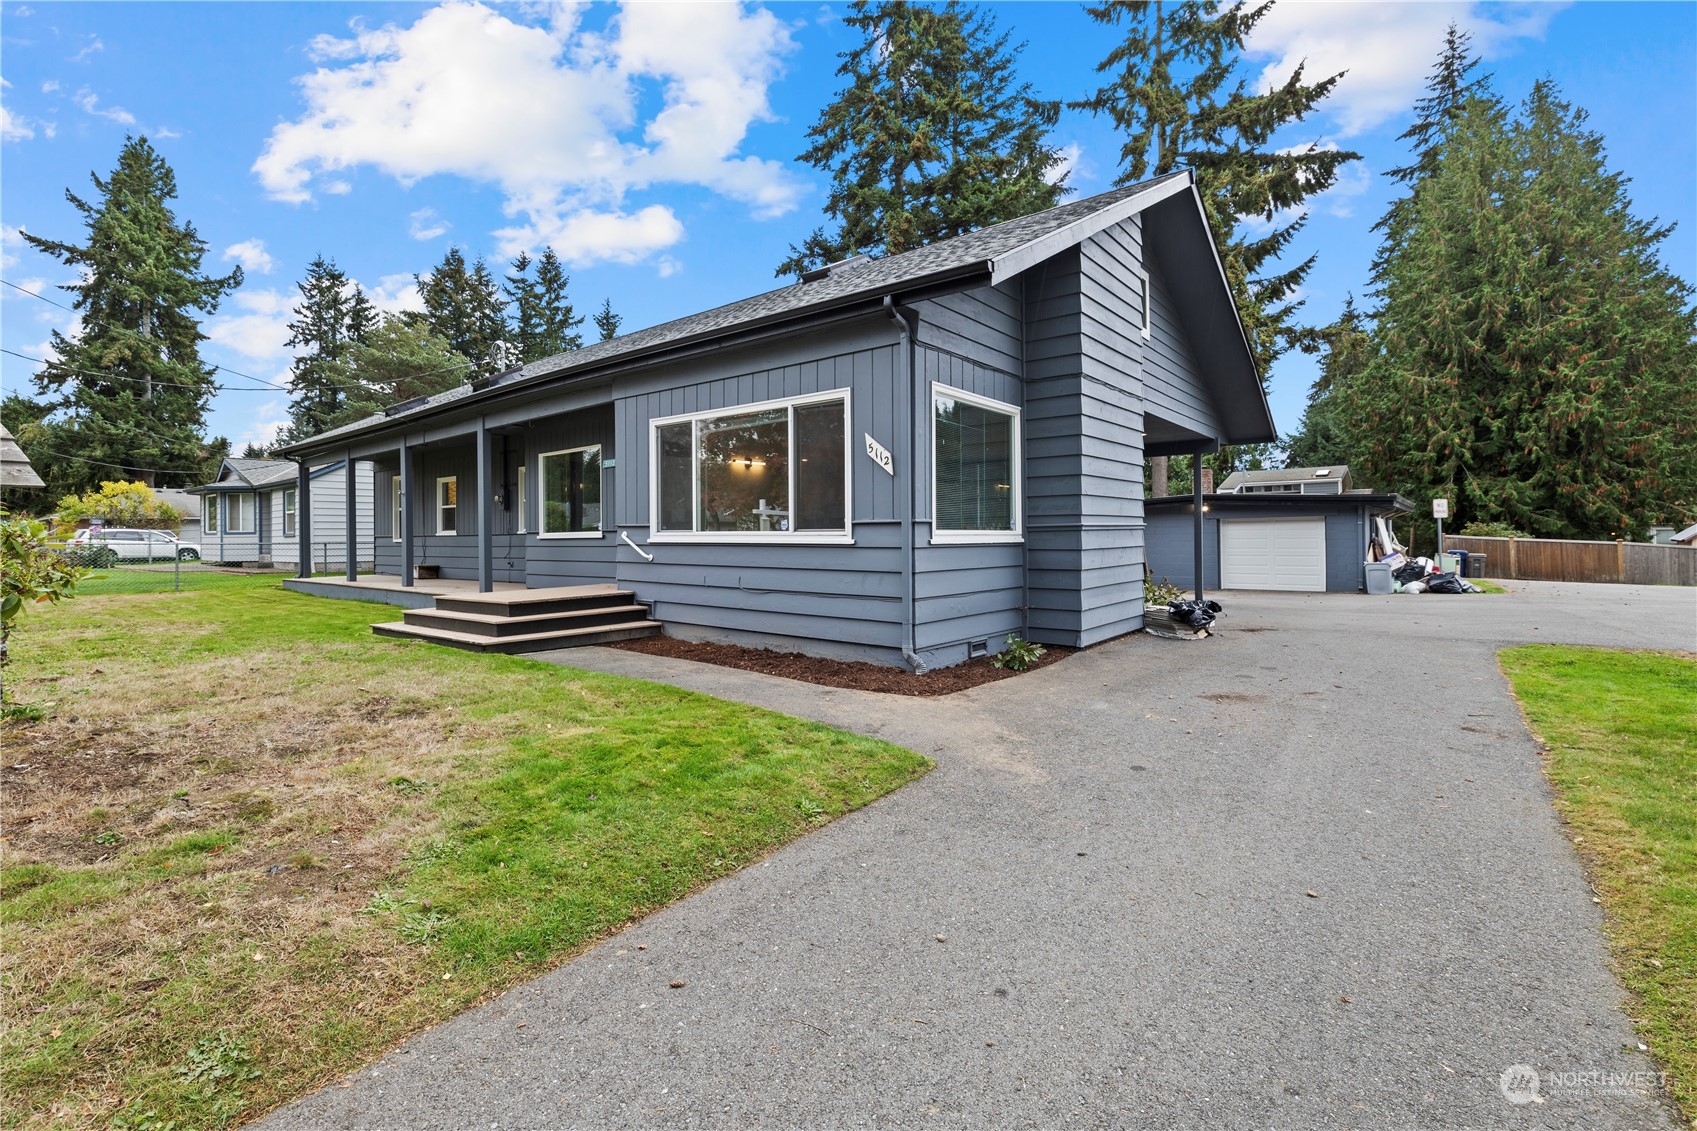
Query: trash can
[[1378, 578], [1476, 565], [1450, 562], [1461, 564]]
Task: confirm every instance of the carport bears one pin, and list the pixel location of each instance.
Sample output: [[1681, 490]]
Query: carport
[[1294, 543]]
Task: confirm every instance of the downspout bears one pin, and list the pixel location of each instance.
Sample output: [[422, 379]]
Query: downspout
[[904, 499]]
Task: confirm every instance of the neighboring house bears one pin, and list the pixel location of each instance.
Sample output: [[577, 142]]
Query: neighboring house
[[1281, 540], [186, 504], [15, 470], [250, 514], [905, 459], [1686, 537], [1333, 480]]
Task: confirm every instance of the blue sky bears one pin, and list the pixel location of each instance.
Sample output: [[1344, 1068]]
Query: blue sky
[[654, 145]]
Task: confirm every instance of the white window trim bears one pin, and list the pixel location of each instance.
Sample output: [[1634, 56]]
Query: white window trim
[[753, 537], [455, 480], [395, 509], [211, 522], [599, 531], [1016, 471], [1148, 304], [291, 515], [253, 514], [524, 501]]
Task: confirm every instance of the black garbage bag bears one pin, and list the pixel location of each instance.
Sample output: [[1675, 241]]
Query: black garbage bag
[[1197, 614], [1409, 571], [1444, 583]]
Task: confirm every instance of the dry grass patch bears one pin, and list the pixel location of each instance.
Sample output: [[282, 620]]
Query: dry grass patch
[[251, 845]]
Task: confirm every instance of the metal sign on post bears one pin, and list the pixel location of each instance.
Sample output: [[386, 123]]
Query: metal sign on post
[[1440, 511], [880, 454]]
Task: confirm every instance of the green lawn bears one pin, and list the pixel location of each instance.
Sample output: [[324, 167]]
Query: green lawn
[[1621, 728], [253, 845]]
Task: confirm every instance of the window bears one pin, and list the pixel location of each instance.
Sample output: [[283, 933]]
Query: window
[[395, 508], [448, 505], [1143, 301], [524, 500], [975, 457], [571, 493], [766, 471], [209, 514], [238, 514], [289, 512]]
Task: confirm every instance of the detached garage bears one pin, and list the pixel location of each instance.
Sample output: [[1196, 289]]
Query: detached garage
[[1287, 542]]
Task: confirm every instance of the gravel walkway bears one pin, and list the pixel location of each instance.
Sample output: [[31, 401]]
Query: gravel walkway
[[1305, 874]]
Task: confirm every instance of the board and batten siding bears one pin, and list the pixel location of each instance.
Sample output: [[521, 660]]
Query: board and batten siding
[[843, 600], [568, 561]]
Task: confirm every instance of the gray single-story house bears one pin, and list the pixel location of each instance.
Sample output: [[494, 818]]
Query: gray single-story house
[[1333, 479], [251, 512], [1292, 541], [905, 459]]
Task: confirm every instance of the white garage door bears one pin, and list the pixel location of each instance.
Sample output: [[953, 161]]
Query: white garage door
[[1273, 553]]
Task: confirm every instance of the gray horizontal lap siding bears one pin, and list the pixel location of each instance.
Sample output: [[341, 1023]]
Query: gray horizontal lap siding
[[843, 599], [1084, 441], [1172, 380]]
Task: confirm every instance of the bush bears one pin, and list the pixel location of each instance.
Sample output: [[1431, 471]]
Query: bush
[[1490, 530], [129, 505], [1160, 592], [1018, 655]]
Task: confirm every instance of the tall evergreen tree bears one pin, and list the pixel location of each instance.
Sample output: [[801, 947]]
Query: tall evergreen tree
[[544, 322], [464, 305], [332, 315], [398, 359], [607, 322], [1533, 356], [1449, 87], [933, 136], [129, 390], [1170, 91]]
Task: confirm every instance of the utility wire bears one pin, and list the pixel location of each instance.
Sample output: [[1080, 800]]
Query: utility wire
[[130, 377], [110, 463], [34, 294]]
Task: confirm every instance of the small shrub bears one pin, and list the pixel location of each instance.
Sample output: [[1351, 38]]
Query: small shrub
[[1018, 655], [812, 810], [1490, 530], [1160, 592]]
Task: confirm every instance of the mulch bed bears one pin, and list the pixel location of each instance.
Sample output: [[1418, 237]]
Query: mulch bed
[[855, 676]]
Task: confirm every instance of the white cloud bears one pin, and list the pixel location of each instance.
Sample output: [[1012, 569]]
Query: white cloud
[[395, 294], [14, 127], [269, 420], [337, 188], [89, 50], [261, 330], [667, 266], [1388, 49], [10, 238], [88, 100], [30, 286], [551, 113], [1071, 155], [251, 254], [51, 86], [425, 224]]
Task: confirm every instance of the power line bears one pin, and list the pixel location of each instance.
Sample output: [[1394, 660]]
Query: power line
[[129, 377], [34, 294], [112, 463]]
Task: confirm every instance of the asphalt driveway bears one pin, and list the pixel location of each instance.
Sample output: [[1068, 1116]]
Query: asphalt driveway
[[1305, 874]]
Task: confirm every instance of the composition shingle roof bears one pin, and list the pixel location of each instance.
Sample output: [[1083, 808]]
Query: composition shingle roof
[[979, 250], [253, 473]]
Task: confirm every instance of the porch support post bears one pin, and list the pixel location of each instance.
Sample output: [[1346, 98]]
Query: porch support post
[[1196, 495], [484, 504], [406, 515], [350, 501], [303, 517]]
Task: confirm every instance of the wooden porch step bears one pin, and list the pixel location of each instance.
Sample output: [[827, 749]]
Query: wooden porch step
[[492, 624], [536, 602], [529, 642]]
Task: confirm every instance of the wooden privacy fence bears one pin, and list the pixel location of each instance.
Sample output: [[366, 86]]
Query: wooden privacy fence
[[1551, 559]]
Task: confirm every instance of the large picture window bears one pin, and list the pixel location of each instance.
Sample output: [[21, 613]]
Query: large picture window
[[772, 470], [571, 493], [448, 505], [975, 454]]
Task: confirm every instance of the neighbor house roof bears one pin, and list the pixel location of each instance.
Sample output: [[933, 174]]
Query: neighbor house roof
[[15, 470], [237, 474], [1686, 537], [1338, 472], [996, 253]]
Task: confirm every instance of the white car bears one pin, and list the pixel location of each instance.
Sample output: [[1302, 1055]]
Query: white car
[[112, 545]]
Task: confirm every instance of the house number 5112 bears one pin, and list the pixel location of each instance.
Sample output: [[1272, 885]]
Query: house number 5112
[[880, 454]]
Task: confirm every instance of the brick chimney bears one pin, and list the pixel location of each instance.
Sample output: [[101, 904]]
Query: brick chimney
[[1207, 481]]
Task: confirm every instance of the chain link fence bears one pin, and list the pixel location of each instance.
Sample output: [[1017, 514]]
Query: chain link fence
[[220, 563]]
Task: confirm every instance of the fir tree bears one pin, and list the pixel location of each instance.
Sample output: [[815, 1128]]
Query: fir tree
[[607, 322], [129, 391], [933, 136], [544, 323], [1449, 87], [398, 359], [1533, 356], [465, 307], [1170, 92], [331, 317]]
